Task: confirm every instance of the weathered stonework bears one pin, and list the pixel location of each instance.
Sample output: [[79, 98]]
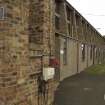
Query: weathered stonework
[[24, 35]]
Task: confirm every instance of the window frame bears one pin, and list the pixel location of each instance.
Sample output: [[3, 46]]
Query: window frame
[[57, 7], [2, 13], [83, 51], [57, 22], [65, 52], [91, 52]]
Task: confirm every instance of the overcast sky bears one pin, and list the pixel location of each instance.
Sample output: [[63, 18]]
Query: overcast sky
[[93, 11]]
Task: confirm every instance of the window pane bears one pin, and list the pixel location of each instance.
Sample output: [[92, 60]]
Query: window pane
[[57, 6], [57, 22], [91, 52], [83, 51], [65, 52], [70, 29], [1, 13]]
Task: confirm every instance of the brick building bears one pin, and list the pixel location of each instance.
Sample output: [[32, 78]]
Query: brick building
[[24, 50], [32, 32]]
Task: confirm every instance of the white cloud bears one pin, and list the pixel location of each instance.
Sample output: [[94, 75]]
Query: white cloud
[[93, 11]]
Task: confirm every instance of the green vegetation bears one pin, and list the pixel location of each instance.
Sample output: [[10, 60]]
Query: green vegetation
[[96, 69]]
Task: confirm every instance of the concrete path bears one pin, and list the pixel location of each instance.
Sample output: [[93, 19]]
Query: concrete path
[[81, 89]]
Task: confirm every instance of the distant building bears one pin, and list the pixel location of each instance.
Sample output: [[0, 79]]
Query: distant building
[[80, 42]]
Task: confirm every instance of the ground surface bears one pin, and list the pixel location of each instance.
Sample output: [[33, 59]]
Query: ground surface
[[86, 88]]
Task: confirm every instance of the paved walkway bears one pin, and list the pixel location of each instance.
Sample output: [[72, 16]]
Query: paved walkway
[[81, 89]]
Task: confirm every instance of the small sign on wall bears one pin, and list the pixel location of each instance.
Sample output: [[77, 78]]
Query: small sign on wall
[[48, 73]]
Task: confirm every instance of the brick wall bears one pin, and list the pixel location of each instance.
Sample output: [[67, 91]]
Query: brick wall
[[25, 33]]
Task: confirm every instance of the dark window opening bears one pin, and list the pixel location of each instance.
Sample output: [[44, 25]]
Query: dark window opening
[[57, 6], [91, 52], [65, 52], [83, 28], [57, 22], [77, 20], [2, 13], [68, 13], [69, 29], [78, 25], [96, 53], [83, 51]]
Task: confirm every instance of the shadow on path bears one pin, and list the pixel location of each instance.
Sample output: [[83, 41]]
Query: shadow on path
[[81, 89]]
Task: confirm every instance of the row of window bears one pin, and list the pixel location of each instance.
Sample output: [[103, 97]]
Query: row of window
[[83, 28], [83, 52], [2, 13]]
